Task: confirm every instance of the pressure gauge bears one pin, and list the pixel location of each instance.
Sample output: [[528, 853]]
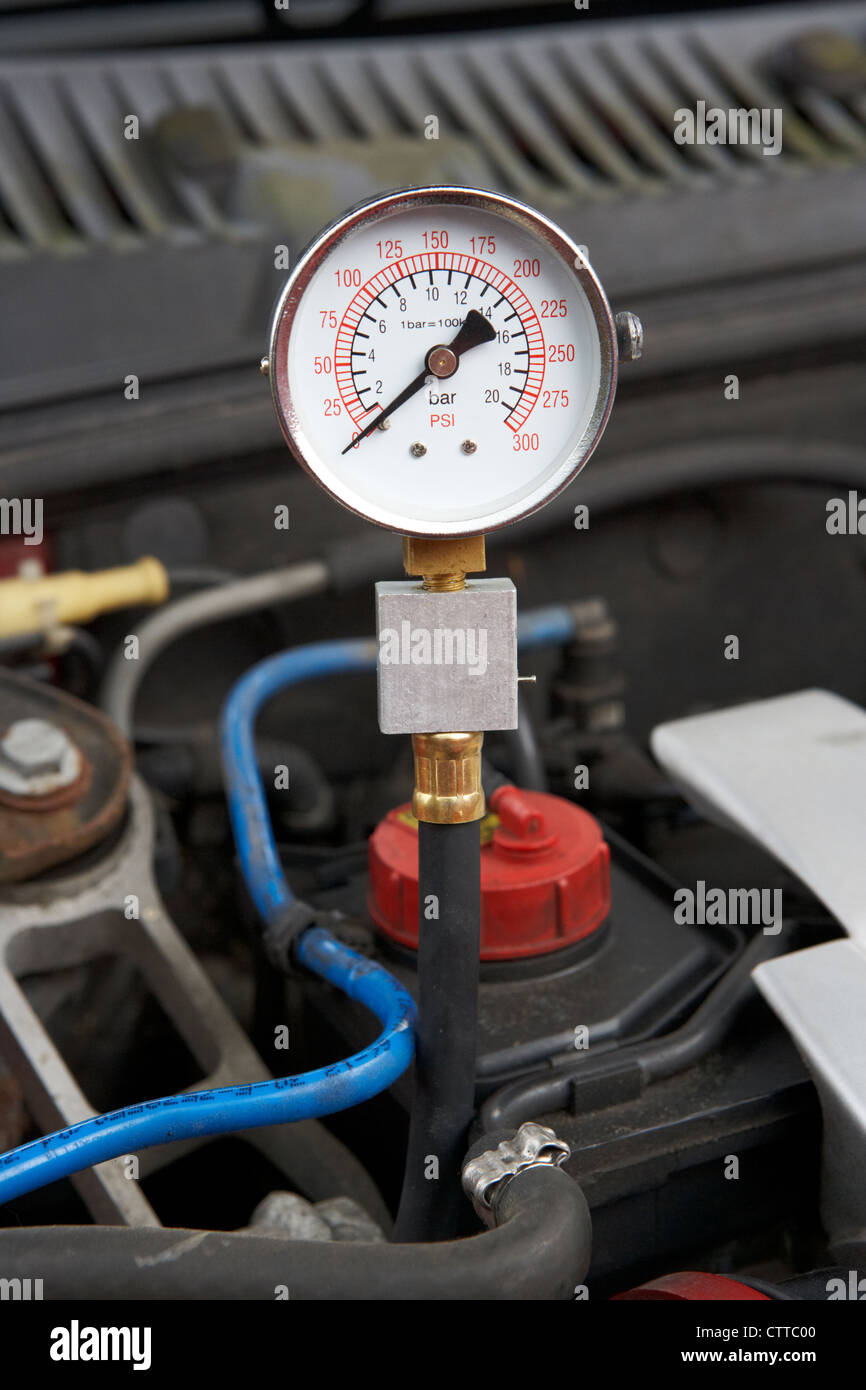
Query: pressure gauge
[[443, 361]]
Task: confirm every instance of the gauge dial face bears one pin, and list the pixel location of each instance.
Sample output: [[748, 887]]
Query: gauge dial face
[[443, 361]]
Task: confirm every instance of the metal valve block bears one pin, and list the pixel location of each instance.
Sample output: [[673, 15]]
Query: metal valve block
[[447, 661]]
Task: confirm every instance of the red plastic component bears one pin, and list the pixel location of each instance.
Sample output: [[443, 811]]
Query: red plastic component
[[693, 1286], [545, 875], [16, 552]]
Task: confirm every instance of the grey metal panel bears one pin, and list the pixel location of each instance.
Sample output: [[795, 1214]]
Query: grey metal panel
[[580, 120], [38, 99], [636, 60], [820, 996], [596, 77], [450, 91], [515, 99], [301, 86], [101, 115], [835, 122], [753, 88], [30, 207], [576, 118], [511, 97], [265, 116], [129, 24], [699, 80], [290, 100], [359, 97], [789, 774]]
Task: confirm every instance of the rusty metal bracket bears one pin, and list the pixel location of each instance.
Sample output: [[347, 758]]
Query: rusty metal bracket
[[114, 907]]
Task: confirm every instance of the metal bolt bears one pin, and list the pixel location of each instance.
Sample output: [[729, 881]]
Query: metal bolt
[[264, 366], [384, 425], [417, 450], [629, 336], [469, 446], [37, 757]]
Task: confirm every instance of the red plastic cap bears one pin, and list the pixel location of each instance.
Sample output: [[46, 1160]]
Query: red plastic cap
[[545, 875]]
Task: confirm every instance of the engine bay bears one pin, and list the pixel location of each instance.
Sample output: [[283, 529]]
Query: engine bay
[[613, 930]]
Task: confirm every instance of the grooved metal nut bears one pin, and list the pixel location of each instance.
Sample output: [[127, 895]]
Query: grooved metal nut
[[448, 788], [629, 336], [486, 1176], [36, 758]]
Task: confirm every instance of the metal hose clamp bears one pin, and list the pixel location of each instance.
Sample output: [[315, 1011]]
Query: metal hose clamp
[[486, 1175]]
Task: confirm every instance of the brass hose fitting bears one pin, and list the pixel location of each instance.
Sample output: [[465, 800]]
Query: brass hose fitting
[[447, 766], [444, 583], [442, 562], [448, 787]]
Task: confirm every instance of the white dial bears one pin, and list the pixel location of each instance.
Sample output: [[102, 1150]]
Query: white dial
[[443, 361]]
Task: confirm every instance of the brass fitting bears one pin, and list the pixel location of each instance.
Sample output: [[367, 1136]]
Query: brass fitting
[[448, 787], [36, 605], [443, 561], [447, 766]]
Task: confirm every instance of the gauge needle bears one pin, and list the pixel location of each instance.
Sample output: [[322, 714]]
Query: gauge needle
[[441, 361]]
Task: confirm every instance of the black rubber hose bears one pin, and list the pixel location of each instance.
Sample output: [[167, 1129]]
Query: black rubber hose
[[779, 1293], [522, 744], [814, 1286], [624, 1073], [449, 921], [186, 763], [538, 1249], [78, 640], [492, 779]]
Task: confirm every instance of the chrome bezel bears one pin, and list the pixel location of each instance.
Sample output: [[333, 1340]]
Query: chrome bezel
[[372, 211]]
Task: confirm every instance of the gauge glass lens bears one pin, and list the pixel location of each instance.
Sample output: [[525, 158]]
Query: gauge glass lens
[[447, 368]]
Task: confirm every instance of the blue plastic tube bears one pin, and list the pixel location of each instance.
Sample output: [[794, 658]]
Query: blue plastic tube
[[248, 805], [315, 1093], [231, 1108]]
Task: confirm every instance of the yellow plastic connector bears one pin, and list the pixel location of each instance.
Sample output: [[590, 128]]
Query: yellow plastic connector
[[37, 605]]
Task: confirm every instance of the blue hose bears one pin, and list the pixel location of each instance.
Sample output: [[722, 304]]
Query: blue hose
[[545, 627], [231, 1108], [312, 1094], [248, 805], [315, 1093]]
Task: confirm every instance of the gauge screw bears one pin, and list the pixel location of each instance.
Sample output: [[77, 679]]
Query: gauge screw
[[629, 336], [442, 361], [469, 446], [417, 450], [264, 366], [384, 425]]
